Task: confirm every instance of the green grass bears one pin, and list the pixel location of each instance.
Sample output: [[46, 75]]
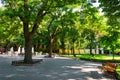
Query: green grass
[[97, 57], [118, 71]]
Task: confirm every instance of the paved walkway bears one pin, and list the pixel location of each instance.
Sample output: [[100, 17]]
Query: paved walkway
[[50, 69]]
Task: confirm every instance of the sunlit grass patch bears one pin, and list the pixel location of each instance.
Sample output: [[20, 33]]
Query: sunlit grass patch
[[99, 57]]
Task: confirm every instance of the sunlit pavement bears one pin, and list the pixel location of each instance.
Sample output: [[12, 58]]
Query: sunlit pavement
[[50, 69]]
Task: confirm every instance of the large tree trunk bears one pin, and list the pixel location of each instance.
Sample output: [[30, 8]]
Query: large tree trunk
[[28, 50], [28, 33], [28, 43]]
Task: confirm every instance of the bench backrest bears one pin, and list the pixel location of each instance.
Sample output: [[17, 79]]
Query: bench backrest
[[111, 65]]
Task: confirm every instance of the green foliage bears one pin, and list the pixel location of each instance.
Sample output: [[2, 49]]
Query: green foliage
[[52, 19], [88, 34], [111, 39], [111, 8], [73, 35], [112, 11]]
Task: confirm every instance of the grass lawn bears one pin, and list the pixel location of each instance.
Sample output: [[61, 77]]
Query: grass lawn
[[118, 71], [98, 57]]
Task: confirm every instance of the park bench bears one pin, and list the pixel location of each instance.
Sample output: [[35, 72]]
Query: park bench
[[109, 69]]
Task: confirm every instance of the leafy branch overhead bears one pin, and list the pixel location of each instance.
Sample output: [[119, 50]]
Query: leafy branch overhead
[[111, 8]]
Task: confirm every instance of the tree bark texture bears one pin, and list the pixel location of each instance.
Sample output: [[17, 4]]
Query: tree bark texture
[[50, 47], [28, 50]]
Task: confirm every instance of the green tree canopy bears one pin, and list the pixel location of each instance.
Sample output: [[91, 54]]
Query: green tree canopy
[[111, 8], [31, 13]]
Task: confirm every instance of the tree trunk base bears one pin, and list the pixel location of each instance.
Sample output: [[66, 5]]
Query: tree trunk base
[[22, 63]]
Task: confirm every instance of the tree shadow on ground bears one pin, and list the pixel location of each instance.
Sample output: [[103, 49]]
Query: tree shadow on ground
[[51, 69]]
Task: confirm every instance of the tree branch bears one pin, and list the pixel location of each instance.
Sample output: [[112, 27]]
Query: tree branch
[[38, 21], [50, 23], [39, 17], [25, 21]]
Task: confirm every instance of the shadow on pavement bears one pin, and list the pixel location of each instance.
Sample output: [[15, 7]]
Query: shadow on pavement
[[51, 69]]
